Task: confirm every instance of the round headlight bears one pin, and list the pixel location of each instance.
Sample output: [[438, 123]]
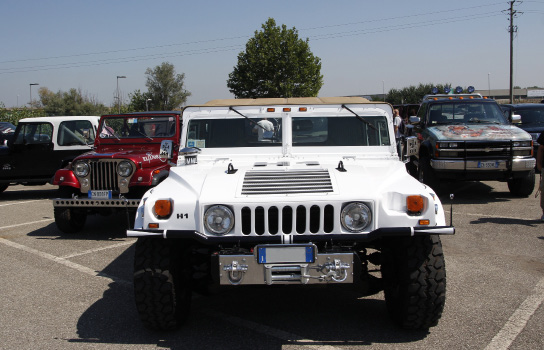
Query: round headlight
[[219, 219], [356, 216], [81, 169], [124, 168]]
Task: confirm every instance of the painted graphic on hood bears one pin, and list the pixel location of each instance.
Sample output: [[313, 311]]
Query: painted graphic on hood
[[478, 132]]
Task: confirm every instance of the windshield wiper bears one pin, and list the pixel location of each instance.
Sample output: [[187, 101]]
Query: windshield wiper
[[250, 120], [360, 118]]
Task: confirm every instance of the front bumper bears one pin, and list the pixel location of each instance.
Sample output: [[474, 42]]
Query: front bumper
[[517, 164], [96, 203], [297, 238]]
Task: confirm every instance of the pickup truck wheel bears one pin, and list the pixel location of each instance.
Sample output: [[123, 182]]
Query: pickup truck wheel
[[70, 220], [162, 283], [3, 188], [414, 275], [425, 173], [523, 186]]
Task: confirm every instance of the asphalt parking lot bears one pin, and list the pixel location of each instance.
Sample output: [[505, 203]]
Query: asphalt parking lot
[[75, 291]]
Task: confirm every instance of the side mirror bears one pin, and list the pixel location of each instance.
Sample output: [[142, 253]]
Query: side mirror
[[190, 154], [516, 119], [410, 148], [414, 120]]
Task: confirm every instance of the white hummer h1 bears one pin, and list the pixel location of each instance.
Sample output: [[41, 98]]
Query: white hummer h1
[[290, 191]]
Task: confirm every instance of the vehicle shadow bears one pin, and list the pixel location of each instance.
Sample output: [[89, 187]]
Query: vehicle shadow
[[97, 227], [472, 192], [269, 317], [17, 193], [506, 221]]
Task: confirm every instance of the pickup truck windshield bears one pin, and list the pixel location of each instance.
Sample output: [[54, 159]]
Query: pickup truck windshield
[[137, 127], [465, 113], [306, 131]]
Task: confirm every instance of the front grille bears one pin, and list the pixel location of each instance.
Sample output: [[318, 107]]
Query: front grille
[[287, 219], [286, 182], [488, 149], [103, 175]]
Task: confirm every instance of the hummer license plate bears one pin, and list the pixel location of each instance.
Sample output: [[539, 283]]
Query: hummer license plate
[[95, 194], [487, 165], [272, 254]]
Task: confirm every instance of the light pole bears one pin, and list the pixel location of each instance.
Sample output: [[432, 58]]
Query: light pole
[[488, 85], [383, 90], [118, 99], [30, 104], [146, 105]]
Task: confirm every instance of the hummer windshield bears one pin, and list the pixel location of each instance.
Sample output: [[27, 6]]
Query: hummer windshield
[[306, 131], [465, 113], [138, 127]]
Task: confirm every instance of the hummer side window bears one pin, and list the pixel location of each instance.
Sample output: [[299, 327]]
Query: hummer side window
[[34, 133], [77, 132]]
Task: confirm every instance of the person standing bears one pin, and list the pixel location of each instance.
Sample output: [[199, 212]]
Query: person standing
[[397, 122], [539, 164]]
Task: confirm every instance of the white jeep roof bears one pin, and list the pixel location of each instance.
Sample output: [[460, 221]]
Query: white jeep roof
[[287, 101]]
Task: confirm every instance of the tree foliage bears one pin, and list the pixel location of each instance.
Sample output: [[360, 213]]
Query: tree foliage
[[138, 101], [72, 102], [412, 94], [12, 115], [276, 63], [165, 88]]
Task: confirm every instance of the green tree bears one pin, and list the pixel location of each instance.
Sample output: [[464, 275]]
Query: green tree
[[138, 101], [72, 102], [165, 87], [276, 63], [412, 94]]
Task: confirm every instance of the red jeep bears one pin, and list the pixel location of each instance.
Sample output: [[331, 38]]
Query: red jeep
[[132, 153]]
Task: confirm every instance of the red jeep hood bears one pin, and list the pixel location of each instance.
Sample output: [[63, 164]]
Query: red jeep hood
[[148, 155]]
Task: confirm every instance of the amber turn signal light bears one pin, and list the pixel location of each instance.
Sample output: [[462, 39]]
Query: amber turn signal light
[[414, 204], [163, 208]]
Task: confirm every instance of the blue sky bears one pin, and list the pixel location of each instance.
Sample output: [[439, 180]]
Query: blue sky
[[364, 46]]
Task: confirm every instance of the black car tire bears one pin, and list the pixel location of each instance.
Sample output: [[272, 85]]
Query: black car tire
[[162, 283], [414, 277], [425, 173], [70, 220], [523, 186], [3, 188]]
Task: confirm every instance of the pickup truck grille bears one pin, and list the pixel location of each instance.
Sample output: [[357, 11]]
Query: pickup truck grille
[[488, 149], [286, 182], [103, 175], [287, 219]]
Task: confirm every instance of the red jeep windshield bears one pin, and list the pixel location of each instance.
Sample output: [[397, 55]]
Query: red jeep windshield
[[137, 127]]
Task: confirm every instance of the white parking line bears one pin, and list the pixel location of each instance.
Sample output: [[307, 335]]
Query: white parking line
[[62, 261], [26, 223], [90, 251], [25, 202], [517, 322]]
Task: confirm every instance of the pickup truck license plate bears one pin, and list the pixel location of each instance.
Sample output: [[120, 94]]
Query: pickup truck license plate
[[488, 165], [95, 194], [271, 254]]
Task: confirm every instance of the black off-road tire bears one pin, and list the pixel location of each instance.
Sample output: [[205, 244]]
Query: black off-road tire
[[70, 220], [523, 186], [414, 277], [3, 188], [162, 283], [426, 175]]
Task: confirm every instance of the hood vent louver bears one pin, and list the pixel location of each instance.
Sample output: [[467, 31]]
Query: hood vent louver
[[286, 182]]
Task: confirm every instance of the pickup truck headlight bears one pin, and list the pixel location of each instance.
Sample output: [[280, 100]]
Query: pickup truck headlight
[[81, 169], [124, 168], [219, 219], [356, 216]]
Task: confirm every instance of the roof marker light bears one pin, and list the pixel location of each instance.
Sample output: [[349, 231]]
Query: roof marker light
[[303, 109], [270, 109], [286, 109]]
